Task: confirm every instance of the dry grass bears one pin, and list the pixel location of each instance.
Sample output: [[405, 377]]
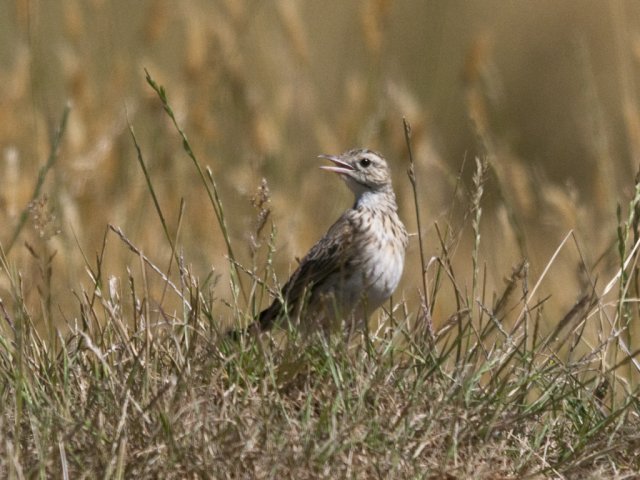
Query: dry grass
[[138, 226]]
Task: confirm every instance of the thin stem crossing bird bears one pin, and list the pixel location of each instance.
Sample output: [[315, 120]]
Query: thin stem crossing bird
[[358, 263]]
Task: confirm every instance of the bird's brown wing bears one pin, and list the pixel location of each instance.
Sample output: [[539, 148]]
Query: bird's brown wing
[[326, 257]]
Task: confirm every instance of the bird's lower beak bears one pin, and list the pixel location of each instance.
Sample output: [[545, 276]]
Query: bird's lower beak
[[339, 166]]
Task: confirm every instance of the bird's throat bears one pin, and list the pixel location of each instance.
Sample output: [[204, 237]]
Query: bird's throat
[[374, 199]]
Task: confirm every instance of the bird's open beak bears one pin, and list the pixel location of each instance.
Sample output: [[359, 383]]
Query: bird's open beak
[[339, 166]]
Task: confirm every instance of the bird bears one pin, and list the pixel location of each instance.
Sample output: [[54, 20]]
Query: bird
[[356, 266]]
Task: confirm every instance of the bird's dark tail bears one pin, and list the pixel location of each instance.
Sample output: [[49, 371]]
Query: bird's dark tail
[[264, 322], [268, 316]]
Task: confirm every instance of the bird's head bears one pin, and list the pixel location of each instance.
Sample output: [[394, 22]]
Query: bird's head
[[363, 170]]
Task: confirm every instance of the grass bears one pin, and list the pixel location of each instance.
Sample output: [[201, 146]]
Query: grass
[[144, 215], [135, 388]]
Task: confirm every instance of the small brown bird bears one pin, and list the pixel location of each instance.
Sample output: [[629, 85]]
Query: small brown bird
[[357, 265]]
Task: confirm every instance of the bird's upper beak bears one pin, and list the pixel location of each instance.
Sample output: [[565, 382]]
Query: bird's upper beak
[[339, 166]]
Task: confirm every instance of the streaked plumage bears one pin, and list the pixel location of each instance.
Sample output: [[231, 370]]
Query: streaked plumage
[[357, 265]]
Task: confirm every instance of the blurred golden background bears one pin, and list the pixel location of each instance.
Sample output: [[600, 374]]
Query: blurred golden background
[[546, 91]]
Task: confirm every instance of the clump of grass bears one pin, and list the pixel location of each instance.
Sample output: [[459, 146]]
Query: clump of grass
[[135, 388]]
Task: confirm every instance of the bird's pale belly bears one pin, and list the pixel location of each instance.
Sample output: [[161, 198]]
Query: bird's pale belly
[[376, 276], [385, 267]]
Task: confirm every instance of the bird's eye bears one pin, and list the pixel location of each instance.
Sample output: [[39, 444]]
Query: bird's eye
[[365, 162]]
